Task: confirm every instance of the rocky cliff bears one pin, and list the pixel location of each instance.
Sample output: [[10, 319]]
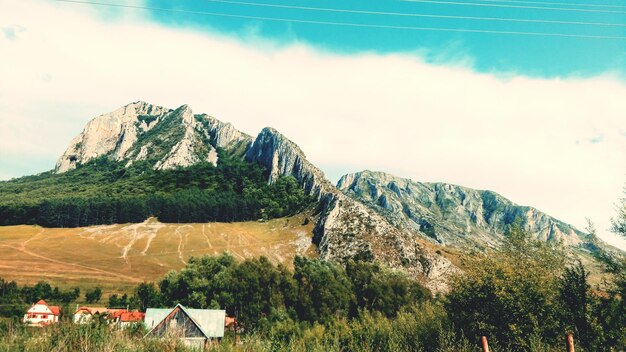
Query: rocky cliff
[[451, 214], [371, 216], [283, 157], [164, 137], [347, 228], [169, 138]]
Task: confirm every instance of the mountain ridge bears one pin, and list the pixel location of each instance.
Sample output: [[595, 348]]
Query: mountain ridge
[[345, 228], [447, 213], [363, 220]]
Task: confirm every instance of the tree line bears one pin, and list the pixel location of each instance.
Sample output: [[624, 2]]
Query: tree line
[[525, 296], [106, 192], [14, 300]]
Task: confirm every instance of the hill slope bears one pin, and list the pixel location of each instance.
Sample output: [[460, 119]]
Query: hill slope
[[116, 257], [186, 167]]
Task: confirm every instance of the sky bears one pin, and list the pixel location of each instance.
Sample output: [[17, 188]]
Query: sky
[[540, 119]]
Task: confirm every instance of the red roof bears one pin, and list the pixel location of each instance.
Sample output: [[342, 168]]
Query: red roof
[[230, 321], [132, 316], [93, 310], [54, 309]]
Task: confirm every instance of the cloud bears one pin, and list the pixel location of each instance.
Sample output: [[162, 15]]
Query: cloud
[[10, 32], [597, 139], [397, 112]]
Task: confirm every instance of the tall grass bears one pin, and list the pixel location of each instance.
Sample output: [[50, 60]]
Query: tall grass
[[422, 328]]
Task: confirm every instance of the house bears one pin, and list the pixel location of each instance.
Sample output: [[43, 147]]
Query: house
[[121, 317], [196, 327], [83, 315], [230, 323], [124, 318], [40, 314]]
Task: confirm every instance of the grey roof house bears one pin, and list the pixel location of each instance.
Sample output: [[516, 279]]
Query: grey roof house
[[194, 326]]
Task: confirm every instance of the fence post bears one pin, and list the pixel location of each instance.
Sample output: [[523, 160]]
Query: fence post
[[570, 342], [485, 345]]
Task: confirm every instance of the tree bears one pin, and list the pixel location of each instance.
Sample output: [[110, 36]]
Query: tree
[[379, 289], [618, 223], [324, 290], [147, 296], [93, 296], [576, 307], [509, 294]]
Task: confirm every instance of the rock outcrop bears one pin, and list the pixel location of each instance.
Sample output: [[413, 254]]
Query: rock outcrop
[[110, 134], [283, 157], [347, 228], [164, 137], [450, 214], [372, 216]]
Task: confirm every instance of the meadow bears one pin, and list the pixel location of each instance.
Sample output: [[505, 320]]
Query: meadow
[[118, 257]]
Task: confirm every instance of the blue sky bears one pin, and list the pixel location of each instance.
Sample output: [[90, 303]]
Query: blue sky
[[521, 54]]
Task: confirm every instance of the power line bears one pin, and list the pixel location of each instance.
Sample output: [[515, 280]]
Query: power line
[[306, 8], [555, 3], [349, 24], [462, 3]]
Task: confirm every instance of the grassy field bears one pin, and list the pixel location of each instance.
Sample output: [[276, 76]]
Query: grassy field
[[117, 257]]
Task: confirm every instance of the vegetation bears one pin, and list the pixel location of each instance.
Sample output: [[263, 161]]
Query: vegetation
[[14, 300], [93, 296], [105, 192], [524, 296]]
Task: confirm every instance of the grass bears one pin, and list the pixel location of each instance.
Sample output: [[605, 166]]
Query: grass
[[117, 257], [414, 330]]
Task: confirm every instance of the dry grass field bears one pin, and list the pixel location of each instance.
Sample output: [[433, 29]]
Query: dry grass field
[[117, 257]]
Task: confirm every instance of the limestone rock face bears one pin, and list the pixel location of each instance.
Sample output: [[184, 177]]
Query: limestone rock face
[[113, 133], [283, 157], [164, 137], [371, 216], [450, 214], [347, 228]]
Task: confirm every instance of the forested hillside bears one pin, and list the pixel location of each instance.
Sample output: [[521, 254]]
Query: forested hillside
[[106, 192]]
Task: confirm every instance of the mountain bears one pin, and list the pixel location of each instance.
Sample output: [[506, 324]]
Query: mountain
[[166, 139], [346, 228], [163, 137], [208, 166], [453, 215]]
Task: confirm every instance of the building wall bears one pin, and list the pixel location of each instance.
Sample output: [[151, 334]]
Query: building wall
[[40, 314], [82, 318]]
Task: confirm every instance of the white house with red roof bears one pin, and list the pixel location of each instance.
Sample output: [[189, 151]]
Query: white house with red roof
[[83, 315], [40, 314], [125, 318], [120, 317]]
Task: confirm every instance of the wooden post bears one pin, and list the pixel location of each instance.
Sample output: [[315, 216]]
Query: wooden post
[[570, 342], [485, 345]]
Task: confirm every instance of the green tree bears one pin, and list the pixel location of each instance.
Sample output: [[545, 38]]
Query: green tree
[[510, 294], [147, 295], [379, 289], [577, 307], [93, 296], [324, 290]]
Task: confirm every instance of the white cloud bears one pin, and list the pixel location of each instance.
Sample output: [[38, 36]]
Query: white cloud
[[527, 138]]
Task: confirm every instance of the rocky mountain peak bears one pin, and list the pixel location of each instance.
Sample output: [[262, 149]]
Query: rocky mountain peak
[[141, 131], [451, 214], [283, 157], [369, 215]]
